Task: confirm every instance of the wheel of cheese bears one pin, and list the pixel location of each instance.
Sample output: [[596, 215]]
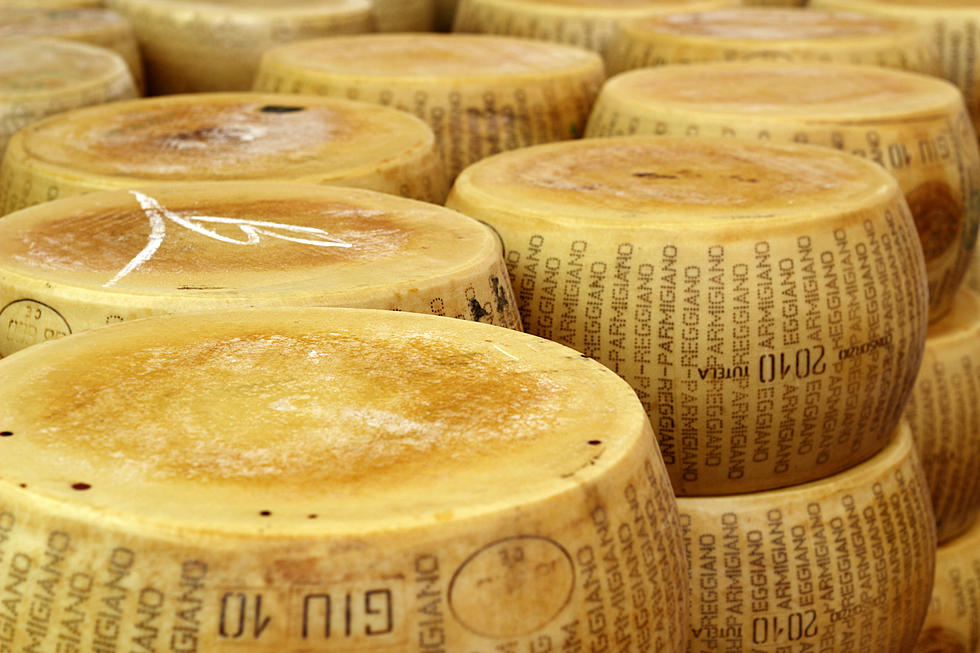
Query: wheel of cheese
[[480, 94], [404, 15], [779, 34], [220, 137], [841, 564], [100, 27], [40, 77], [332, 479], [767, 303], [589, 24], [953, 621], [944, 413], [83, 262], [914, 126], [191, 46]]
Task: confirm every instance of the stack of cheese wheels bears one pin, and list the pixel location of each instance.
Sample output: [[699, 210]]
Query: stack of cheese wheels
[[944, 412], [220, 137], [215, 45], [767, 303], [952, 623], [842, 564], [87, 261], [404, 15], [282, 481], [914, 126], [99, 27], [480, 94], [775, 34], [589, 24], [39, 77]]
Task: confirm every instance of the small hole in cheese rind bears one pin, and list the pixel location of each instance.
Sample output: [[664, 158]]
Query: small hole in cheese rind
[[6, 434], [279, 108], [81, 486]]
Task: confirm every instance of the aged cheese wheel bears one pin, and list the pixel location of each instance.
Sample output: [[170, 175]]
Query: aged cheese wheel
[[841, 564], [914, 126], [944, 413], [767, 303], [83, 262], [953, 621], [773, 34], [99, 27], [480, 94], [589, 24], [404, 15], [39, 77], [282, 481], [214, 45], [219, 137]]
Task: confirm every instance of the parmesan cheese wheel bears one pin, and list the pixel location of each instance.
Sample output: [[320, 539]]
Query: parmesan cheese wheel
[[100, 27], [404, 15], [767, 303], [282, 481], [79, 263], [214, 45], [39, 77], [219, 137], [944, 413], [842, 564], [773, 34], [953, 622], [589, 24], [480, 94], [916, 127]]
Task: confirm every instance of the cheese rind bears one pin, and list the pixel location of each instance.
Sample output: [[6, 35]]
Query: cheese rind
[[767, 303], [219, 137], [479, 94], [351, 501], [915, 127], [404, 15]]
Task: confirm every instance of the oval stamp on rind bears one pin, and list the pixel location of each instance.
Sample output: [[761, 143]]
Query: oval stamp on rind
[[25, 322]]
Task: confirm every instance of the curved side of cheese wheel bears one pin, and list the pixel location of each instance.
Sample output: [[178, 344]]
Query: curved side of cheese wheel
[[41, 77], [952, 624], [775, 35], [944, 413], [847, 559], [483, 94], [196, 47], [319, 517], [404, 15], [720, 273], [219, 137], [915, 127], [211, 246]]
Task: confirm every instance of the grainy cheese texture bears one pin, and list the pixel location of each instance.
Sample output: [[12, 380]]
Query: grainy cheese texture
[[773, 34], [282, 481], [915, 127], [222, 137], [80, 263], [767, 303], [953, 622]]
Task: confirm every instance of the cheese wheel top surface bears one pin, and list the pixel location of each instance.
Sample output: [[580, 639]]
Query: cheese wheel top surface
[[30, 67], [20, 21], [697, 183], [432, 56], [226, 136], [962, 323], [213, 242], [788, 91], [366, 419]]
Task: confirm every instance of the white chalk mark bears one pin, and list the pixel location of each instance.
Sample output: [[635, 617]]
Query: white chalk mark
[[506, 353]]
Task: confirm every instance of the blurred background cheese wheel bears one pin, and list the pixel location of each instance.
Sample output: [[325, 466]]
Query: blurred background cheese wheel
[[99, 27], [952, 623], [844, 563], [323, 478], [589, 24], [767, 303], [40, 77], [215, 45], [914, 126], [480, 94], [222, 137], [944, 413], [83, 262], [404, 15], [779, 34]]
